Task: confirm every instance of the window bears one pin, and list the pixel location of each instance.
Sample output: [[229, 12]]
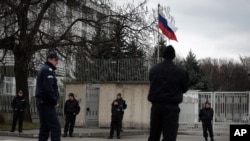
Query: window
[[8, 85]]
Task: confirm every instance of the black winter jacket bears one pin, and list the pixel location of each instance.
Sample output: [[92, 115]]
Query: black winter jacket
[[71, 106], [122, 103], [46, 86], [18, 103], [116, 111], [206, 114], [168, 82]]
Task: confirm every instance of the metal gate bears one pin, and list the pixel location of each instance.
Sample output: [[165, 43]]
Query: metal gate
[[92, 110], [228, 106]]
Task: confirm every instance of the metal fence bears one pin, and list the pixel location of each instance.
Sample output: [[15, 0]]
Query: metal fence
[[229, 108], [99, 70], [5, 104]]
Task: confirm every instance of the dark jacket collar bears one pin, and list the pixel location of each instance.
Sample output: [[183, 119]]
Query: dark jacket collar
[[50, 65], [169, 61]]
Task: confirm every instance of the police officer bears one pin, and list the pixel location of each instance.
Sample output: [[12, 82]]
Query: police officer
[[123, 105], [18, 105], [47, 96], [206, 116], [116, 110], [168, 82], [71, 109]]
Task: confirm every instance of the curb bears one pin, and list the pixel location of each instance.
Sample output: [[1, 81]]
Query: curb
[[199, 133], [81, 135], [25, 135], [106, 134]]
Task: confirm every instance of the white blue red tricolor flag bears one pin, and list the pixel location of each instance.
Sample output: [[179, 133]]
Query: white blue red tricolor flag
[[167, 28]]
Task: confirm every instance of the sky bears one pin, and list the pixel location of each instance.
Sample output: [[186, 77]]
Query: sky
[[209, 28]]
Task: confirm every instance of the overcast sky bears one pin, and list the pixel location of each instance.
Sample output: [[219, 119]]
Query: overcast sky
[[210, 28]]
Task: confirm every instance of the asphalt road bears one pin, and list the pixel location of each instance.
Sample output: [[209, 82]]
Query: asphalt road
[[126, 138]]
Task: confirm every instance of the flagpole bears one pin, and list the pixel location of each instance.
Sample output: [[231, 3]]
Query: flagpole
[[158, 37]]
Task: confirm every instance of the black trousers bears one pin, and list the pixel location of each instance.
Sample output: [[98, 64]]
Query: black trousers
[[17, 115], [49, 122], [115, 125], [207, 126], [122, 118], [69, 123], [164, 119]]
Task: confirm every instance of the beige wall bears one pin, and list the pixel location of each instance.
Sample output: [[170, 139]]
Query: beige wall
[[138, 110], [137, 114], [80, 93]]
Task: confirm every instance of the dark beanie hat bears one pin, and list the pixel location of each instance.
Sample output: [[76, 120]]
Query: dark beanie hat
[[169, 52], [71, 94], [53, 55], [119, 94]]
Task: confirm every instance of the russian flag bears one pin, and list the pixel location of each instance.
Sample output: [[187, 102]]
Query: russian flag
[[167, 28]]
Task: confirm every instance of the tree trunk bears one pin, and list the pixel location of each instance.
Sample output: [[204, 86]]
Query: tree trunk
[[21, 75]]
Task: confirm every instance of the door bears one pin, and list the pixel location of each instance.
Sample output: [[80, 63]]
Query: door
[[92, 109]]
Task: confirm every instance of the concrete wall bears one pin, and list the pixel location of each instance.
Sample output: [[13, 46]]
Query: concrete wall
[[189, 107], [138, 110], [137, 113], [80, 94]]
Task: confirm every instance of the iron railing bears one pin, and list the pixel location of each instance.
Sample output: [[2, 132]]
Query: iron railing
[[5, 104], [229, 108], [110, 70]]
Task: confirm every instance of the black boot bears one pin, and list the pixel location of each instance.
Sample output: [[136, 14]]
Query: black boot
[[212, 139], [71, 135], [65, 135], [205, 139]]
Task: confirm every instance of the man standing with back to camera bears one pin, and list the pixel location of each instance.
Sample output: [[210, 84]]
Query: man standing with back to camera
[[47, 96], [168, 82]]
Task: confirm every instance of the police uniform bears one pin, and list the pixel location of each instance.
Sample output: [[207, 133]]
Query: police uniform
[[206, 116], [123, 105], [18, 105], [115, 119], [168, 82], [47, 96], [71, 109]]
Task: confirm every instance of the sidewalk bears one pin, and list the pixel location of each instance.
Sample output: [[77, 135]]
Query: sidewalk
[[102, 132], [78, 132]]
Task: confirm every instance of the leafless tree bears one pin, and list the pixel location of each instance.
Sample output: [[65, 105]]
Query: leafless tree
[[31, 26], [226, 75]]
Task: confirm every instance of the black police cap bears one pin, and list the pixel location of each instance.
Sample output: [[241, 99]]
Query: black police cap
[[53, 55]]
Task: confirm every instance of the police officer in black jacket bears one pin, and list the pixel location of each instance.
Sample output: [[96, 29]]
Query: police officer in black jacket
[[18, 105], [122, 104], [116, 116], [206, 116], [71, 109], [47, 96], [168, 82]]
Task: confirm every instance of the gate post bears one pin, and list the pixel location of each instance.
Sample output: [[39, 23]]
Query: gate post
[[248, 107], [213, 106]]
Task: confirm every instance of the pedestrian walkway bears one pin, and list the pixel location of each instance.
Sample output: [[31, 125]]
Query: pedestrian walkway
[[78, 132], [103, 133], [125, 138]]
